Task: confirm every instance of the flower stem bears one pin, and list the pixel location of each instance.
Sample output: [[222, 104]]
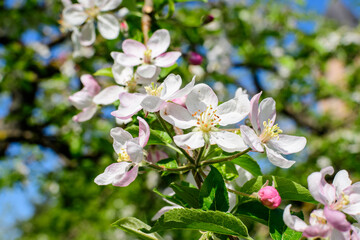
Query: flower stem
[[240, 193], [179, 169], [224, 159]]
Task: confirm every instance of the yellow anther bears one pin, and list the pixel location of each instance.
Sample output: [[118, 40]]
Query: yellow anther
[[154, 90], [92, 12], [270, 131], [318, 218], [207, 119], [123, 156], [147, 56]]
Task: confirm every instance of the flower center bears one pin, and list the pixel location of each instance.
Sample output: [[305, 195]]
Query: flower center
[[154, 89], [92, 12], [147, 56], [319, 219], [207, 119], [270, 132], [344, 200], [123, 156]]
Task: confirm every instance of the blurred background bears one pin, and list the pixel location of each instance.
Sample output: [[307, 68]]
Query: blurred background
[[303, 53]]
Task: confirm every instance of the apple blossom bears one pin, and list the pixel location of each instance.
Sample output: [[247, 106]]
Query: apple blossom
[[153, 54], [130, 154], [86, 11], [203, 113], [340, 195], [269, 197], [265, 136], [90, 96], [155, 99]]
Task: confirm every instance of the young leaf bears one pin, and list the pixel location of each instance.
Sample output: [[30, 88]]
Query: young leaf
[[133, 225], [187, 193], [227, 170], [278, 229], [173, 199], [213, 221], [213, 193], [249, 164], [157, 137], [104, 72], [168, 163], [167, 70]]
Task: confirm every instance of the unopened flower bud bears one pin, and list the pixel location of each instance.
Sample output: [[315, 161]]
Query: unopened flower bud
[[124, 27], [269, 197], [195, 58], [208, 19]]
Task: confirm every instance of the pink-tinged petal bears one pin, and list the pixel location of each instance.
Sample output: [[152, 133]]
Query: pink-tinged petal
[[135, 152], [159, 42], [87, 34], [341, 181], [147, 71], [121, 137], [157, 155], [267, 111], [107, 5], [319, 188], [276, 158], [177, 116], [233, 111], [152, 103], [184, 91], [127, 178], [192, 140], [317, 231], [352, 208], [133, 48], [254, 112], [338, 235], [75, 14], [108, 26], [90, 84], [201, 97], [287, 144], [127, 60], [337, 219], [129, 105], [111, 173], [144, 132], [167, 59], [162, 211], [108, 95], [355, 234], [293, 222], [251, 139], [87, 3], [81, 99], [171, 84], [228, 141], [85, 114], [122, 74]]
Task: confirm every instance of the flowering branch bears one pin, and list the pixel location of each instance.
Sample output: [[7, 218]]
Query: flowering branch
[[224, 159], [146, 19]]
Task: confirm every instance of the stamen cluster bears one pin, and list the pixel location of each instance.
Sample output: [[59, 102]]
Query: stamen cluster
[[270, 131], [207, 119]]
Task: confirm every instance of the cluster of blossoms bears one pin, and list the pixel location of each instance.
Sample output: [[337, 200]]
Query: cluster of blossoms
[[338, 198]]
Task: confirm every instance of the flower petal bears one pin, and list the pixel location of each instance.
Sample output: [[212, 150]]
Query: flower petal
[[159, 42], [201, 97], [90, 84], [87, 34], [192, 140], [167, 59], [108, 95], [171, 84], [81, 99], [133, 48], [107, 5], [341, 181], [293, 222], [129, 105], [127, 60], [152, 103], [144, 132], [87, 3], [267, 110], [184, 91], [112, 172], [228, 141], [121, 137], [85, 114], [338, 235], [75, 14], [177, 116], [276, 158], [135, 152], [254, 112], [251, 139], [126, 178], [287, 144], [147, 71], [233, 111], [108, 26], [336, 219], [122, 74], [319, 188]]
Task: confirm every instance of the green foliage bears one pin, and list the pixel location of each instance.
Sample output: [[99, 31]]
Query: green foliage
[[187, 193], [133, 225], [107, 72], [213, 221], [157, 137], [249, 164], [278, 229]]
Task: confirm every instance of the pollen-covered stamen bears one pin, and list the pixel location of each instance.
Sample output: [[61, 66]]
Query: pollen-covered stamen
[[147, 56], [92, 12], [318, 219], [123, 156], [344, 200], [154, 90], [270, 131], [207, 119]]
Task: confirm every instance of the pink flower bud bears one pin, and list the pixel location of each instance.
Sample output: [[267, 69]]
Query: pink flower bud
[[269, 197], [208, 19], [124, 26], [195, 58]]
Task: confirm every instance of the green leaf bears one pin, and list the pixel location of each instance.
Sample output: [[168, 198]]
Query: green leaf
[[213, 221], [173, 199], [288, 190], [227, 170], [213, 193], [249, 164], [166, 71], [277, 228], [157, 137], [168, 163], [253, 210], [104, 72], [133, 225], [187, 193]]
